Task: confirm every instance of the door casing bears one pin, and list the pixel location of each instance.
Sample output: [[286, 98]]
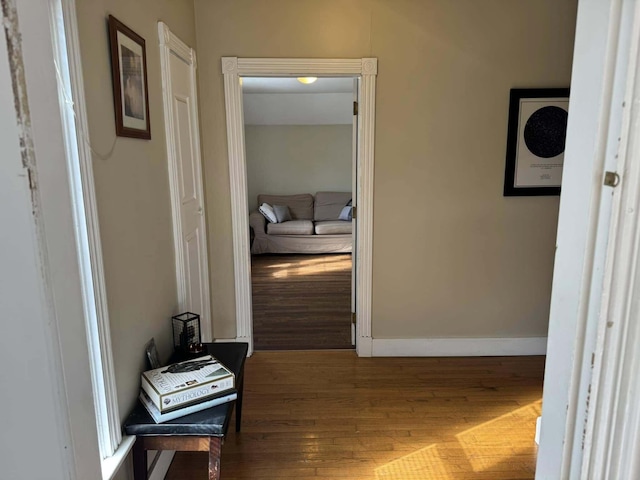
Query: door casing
[[366, 69]]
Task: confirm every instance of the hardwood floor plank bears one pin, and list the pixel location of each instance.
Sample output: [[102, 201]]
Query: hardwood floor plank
[[331, 415]]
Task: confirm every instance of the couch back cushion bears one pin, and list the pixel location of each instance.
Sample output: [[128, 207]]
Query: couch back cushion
[[300, 206], [328, 205]]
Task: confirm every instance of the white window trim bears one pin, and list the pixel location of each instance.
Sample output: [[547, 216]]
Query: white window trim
[[113, 448]]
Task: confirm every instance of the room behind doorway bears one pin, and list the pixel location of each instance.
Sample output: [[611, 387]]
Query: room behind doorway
[[299, 138]]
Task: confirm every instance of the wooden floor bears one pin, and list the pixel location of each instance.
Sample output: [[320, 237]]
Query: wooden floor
[[301, 302], [332, 415]]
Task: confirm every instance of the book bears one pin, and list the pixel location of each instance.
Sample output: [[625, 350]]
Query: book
[[188, 382], [182, 411]]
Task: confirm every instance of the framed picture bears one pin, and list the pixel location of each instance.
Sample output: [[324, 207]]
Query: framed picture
[[535, 141], [129, 70]]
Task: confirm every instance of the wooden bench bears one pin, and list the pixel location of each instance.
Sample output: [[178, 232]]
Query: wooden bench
[[202, 431]]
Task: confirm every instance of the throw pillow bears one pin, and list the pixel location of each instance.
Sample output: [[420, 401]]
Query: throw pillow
[[266, 210], [346, 213], [282, 213]]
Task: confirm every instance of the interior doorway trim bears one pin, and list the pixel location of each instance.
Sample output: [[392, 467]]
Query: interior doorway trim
[[366, 69]]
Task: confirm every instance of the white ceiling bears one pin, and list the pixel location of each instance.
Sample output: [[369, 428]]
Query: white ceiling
[[292, 85]]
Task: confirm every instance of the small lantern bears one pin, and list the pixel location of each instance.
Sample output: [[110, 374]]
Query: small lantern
[[186, 331]]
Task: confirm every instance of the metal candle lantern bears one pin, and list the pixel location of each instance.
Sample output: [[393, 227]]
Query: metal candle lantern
[[186, 331]]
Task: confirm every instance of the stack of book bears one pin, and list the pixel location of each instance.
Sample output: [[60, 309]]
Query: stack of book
[[187, 387]]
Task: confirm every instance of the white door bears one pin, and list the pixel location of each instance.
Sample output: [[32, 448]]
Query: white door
[[185, 173]]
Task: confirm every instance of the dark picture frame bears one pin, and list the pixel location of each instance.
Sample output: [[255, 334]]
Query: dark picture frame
[[129, 72], [535, 141]]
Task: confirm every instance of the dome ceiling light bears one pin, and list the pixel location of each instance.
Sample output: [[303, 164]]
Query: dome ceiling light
[[307, 80]]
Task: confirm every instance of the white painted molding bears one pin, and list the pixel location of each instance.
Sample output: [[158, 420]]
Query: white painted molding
[[364, 224], [101, 355], [169, 40], [111, 465], [176, 215], [278, 67], [239, 213], [459, 347], [28, 251], [364, 346], [169, 43], [366, 69], [369, 66], [229, 66], [597, 93], [611, 439]]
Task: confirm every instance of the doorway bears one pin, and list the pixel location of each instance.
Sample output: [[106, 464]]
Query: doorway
[[365, 70], [299, 138]]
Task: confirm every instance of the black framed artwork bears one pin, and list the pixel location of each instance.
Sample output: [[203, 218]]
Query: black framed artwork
[[129, 71], [536, 136]]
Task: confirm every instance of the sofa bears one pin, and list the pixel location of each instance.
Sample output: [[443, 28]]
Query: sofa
[[314, 226]]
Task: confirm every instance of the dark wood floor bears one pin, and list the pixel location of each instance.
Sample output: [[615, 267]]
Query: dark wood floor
[[301, 302], [331, 415]]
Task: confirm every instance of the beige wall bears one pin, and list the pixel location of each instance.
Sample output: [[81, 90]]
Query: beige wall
[[470, 263], [289, 159], [132, 188]]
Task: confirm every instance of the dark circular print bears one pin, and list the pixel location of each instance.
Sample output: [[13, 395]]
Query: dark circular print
[[545, 132]]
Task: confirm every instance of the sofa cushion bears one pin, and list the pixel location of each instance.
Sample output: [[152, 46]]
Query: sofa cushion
[[300, 206], [332, 227], [328, 205], [268, 212], [345, 214], [293, 227], [282, 213]]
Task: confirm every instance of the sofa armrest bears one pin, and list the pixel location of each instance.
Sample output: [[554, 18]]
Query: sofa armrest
[[258, 223]]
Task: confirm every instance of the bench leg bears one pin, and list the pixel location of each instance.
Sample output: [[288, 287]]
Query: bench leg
[[239, 405], [139, 460], [214, 458]]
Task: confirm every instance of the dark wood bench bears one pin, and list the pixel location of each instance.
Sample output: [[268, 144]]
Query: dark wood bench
[[202, 431]]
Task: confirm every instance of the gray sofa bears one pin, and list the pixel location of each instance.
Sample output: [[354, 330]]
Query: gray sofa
[[314, 226]]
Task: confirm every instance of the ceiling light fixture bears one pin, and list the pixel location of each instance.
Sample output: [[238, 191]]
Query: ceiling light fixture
[[307, 80]]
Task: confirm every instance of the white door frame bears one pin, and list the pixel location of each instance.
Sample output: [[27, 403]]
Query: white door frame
[[583, 254], [366, 68], [172, 45], [612, 431]]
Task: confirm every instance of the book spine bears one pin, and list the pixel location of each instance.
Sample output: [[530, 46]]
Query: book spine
[[150, 391], [174, 400], [165, 417]]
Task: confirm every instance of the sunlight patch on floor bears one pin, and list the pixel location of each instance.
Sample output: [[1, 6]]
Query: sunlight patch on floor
[[493, 442], [311, 267], [420, 465], [485, 447]]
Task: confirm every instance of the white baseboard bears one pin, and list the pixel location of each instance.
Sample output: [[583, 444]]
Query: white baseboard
[[160, 466], [459, 347]]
